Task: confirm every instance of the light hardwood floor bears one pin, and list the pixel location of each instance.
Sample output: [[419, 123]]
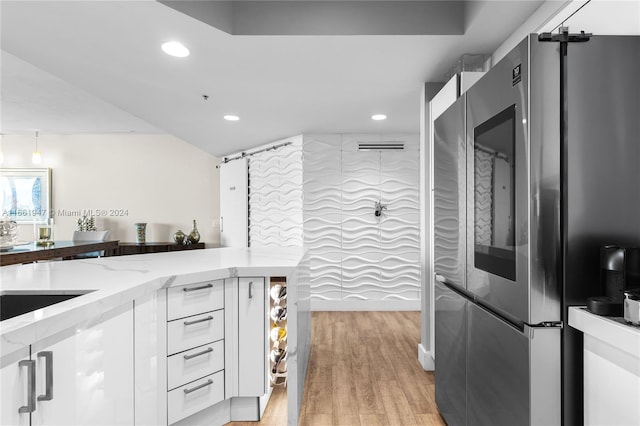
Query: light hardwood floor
[[363, 370]]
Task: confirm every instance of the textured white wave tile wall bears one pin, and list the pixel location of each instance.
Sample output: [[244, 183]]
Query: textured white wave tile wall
[[361, 274], [275, 196], [323, 214], [400, 227], [356, 256]]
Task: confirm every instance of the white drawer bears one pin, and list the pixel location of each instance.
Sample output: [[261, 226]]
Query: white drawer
[[190, 365], [195, 396], [193, 299], [197, 330]]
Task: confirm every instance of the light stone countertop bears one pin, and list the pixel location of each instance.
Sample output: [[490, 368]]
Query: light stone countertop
[[617, 333], [114, 281]]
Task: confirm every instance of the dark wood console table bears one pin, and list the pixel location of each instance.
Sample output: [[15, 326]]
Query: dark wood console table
[[133, 248], [31, 252]]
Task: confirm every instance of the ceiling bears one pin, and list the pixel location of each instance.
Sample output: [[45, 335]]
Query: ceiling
[[72, 67]]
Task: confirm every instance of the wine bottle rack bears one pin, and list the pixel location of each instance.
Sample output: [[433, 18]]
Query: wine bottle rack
[[278, 332]]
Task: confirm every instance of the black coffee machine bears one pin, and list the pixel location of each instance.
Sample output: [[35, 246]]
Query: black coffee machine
[[619, 271]]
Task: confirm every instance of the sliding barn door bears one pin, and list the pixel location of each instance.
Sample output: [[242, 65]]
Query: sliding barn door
[[233, 203]]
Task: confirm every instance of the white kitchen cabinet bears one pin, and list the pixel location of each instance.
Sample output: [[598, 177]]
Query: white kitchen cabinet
[[187, 300], [193, 364], [611, 384], [92, 371], [14, 393], [611, 369], [210, 345], [150, 318], [81, 376], [252, 334], [193, 331], [195, 396], [195, 348]]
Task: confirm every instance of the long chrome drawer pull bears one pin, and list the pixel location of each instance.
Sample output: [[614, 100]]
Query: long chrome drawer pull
[[204, 385], [209, 318], [48, 357], [202, 287], [206, 351], [31, 386]]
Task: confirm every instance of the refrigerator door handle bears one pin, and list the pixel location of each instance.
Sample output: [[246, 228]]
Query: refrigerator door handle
[[453, 286], [530, 330], [547, 324]]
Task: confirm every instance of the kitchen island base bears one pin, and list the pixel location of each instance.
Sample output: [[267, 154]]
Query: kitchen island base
[[199, 331]]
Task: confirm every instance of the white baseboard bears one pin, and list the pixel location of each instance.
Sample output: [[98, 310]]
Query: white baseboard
[[426, 358], [365, 305]]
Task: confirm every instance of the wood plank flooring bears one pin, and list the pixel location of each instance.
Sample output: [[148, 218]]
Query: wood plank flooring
[[363, 370]]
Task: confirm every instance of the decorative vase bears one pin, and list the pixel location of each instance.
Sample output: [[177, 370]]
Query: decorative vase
[[179, 237], [8, 233], [194, 236], [141, 232]]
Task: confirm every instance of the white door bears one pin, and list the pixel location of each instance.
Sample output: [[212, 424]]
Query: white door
[[91, 373], [15, 372], [252, 334], [233, 203]]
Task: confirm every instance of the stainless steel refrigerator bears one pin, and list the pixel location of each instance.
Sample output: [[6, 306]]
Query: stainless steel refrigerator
[[535, 168]]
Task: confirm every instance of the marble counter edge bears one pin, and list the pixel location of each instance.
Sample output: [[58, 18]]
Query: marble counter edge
[[622, 336], [18, 332]]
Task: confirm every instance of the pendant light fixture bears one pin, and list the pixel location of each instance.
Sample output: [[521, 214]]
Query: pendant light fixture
[[36, 158]]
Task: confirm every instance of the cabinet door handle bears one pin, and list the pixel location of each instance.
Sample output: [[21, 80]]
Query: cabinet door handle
[[209, 318], [206, 351], [31, 386], [48, 358], [202, 287], [209, 382], [221, 224], [250, 289]]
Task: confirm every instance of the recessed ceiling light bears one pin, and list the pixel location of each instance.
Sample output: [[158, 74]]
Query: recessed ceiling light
[[378, 117], [231, 117], [175, 48]]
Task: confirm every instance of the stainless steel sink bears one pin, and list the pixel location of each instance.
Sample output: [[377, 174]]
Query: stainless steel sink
[[14, 304]]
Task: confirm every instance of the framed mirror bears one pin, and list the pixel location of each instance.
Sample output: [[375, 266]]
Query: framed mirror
[[26, 194]]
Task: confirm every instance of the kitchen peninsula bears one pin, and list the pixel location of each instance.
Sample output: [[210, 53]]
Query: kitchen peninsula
[[164, 338]]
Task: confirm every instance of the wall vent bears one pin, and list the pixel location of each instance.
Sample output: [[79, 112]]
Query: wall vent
[[381, 146]]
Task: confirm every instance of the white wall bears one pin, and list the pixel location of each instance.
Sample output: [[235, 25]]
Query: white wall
[[275, 195], [322, 190], [157, 179], [359, 261]]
